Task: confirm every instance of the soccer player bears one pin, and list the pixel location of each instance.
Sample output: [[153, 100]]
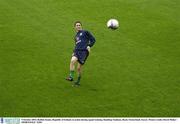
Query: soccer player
[[84, 40]]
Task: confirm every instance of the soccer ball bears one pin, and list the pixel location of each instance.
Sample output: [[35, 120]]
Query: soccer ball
[[113, 24]]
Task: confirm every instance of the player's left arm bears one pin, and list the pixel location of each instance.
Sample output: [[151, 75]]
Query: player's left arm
[[92, 40]]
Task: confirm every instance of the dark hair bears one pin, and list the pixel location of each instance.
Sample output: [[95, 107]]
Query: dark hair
[[77, 22]]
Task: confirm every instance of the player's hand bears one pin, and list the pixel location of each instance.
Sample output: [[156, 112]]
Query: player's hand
[[89, 48], [72, 54]]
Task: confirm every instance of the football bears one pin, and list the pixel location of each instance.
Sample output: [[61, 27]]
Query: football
[[113, 24]]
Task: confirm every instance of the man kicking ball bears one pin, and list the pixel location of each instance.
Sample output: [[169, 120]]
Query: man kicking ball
[[84, 40]]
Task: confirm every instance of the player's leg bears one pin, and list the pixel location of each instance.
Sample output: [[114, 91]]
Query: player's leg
[[81, 61], [72, 68], [79, 71]]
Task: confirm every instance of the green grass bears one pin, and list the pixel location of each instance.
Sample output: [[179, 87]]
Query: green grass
[[131, 72]]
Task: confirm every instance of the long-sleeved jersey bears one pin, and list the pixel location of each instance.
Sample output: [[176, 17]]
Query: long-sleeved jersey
[[83, 39]]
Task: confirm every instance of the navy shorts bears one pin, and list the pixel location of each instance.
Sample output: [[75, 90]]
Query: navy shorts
[[81, 55]]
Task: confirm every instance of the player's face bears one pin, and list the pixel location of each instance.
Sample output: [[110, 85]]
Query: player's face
[[78, 27]]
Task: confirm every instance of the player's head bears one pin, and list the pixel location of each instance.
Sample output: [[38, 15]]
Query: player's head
[[78, 26]]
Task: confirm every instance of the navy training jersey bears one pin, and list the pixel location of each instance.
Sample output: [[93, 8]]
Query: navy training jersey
[[83, 39]]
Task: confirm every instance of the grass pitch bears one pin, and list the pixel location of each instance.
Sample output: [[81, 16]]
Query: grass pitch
[[131, 72]]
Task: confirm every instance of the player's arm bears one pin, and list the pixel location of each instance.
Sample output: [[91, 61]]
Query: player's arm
[[74, 47], [72, 53], [92, 40]]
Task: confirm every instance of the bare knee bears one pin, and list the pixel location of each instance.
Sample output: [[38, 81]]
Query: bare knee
[[79, 68], [73, 60]]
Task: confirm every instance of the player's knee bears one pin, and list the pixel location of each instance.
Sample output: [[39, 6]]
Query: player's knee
[[79, 69], [73, 59]]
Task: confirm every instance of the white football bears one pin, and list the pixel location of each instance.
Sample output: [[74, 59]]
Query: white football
[[113, 24]]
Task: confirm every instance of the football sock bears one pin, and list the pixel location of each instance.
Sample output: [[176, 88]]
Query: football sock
[[78, 80], [71, 74]]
